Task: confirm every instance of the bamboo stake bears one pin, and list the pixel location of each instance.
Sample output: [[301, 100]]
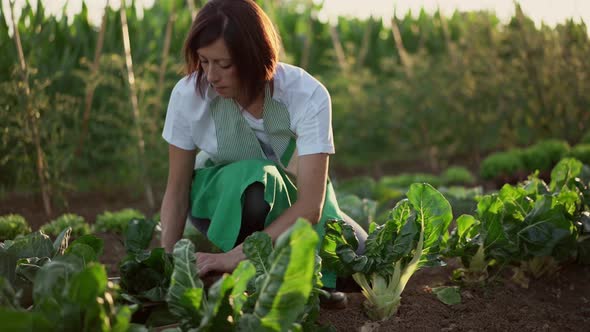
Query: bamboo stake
[[338, 48], [273, 16], [399, 45], [365, 44], [192, 8], [307, 40], [165, 52], [92, 86], [32, 117], [135, 106]]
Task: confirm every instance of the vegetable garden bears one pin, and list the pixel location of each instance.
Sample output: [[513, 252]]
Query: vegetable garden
[[477, 200], [521, 234]]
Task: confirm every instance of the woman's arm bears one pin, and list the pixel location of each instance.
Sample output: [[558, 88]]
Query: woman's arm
[[311, 190], [175, 203]]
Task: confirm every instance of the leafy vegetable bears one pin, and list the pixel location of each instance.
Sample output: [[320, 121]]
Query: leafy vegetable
[[409, 240], [116, 222], [279, 283], [76, 222], [145, 274], [448, 295], [12, 225]]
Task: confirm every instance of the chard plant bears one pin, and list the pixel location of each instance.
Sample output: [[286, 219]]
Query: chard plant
[[145, 273], [409, 240], [69, 288], [268, 292], [76, 222], [12, 225], [532, 226]]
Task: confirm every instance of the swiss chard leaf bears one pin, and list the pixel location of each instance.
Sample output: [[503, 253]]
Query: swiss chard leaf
[[146, 274], [185, 277], [545, 228], [434, 214], [139, 234], [287, 286]]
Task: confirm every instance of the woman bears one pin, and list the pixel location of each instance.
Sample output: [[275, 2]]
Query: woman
[[264, 133]]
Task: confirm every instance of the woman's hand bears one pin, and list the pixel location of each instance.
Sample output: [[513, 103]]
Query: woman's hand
[[220, 263]]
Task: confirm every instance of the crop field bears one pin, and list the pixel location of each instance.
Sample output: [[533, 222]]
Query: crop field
[[468, 168]]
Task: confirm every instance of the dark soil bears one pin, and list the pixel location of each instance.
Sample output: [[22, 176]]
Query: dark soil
[[561, 303]]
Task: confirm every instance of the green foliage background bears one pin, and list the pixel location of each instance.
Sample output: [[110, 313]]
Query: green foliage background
[[473, 86]]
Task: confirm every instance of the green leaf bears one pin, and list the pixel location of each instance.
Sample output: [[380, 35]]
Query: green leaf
[[139, 234], [433, 212], [88, 284], [287, 286], [84, 251], [219, 311], [564, 173], [184, 277], [23, 321], [61, 242], [336, 249], [51, 279], [97, 244], [257, 248], [546, 228], [27, 267], [448, 295], [241, 276], [146, 274]]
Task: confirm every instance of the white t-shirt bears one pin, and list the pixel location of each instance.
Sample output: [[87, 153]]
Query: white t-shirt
[[189, 125]]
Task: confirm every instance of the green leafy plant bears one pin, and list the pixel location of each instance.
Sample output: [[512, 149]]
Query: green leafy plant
[[361, 210], [361, 186], [457, 175], [404, 180], [145, 273], [279, 283], [581, 152], [502, 164], [532, 226], [410, 239], [544, 155], [116, 222], [75, 222], [12, 225]]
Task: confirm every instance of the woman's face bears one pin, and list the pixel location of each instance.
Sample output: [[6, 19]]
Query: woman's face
[[219, 69]]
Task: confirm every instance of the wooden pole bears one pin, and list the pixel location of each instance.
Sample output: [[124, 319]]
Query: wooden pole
[[33, 119], [135, 107], [91, 87]]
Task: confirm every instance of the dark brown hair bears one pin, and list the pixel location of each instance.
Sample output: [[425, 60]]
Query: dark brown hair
[[250, 37]]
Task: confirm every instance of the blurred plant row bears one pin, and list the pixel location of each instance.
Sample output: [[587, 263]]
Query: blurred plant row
[[77, 113], [13, 225]]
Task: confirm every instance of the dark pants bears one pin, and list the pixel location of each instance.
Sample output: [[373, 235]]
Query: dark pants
[[254, 213]]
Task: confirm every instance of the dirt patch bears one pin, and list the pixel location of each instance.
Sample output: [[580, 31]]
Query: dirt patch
[[559, 304]]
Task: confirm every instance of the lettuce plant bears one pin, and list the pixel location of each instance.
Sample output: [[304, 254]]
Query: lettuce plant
[[145, 273], [116, 222], [12, 225], [410, 239], [269, 292], [76, 222], [532, 226]]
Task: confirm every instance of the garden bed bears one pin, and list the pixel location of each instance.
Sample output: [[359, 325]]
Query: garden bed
[[561, 303]]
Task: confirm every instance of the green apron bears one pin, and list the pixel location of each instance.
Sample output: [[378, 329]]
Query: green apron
[[217, 190]]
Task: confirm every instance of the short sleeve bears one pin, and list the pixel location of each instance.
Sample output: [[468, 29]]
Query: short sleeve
[[177, 127], [314, 129]]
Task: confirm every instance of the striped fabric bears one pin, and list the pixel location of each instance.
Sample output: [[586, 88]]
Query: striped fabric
[[236, 140]]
